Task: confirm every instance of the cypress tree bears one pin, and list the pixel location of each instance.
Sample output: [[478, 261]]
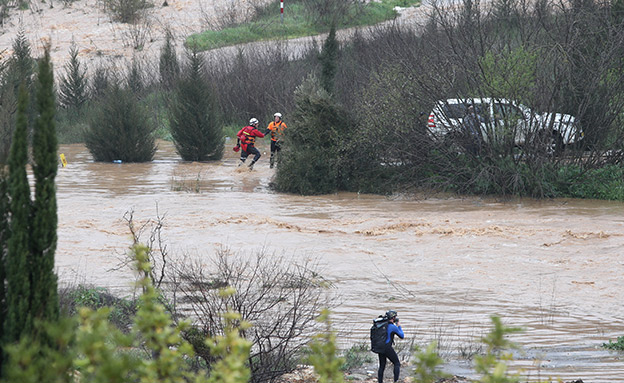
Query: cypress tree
[[328, 59], [168, 65], [44, 301], [4, 236], [21, 63], [134, 79], [18, 320], [18, 69], [193, 118], [99, 83], [73, 85], [119, 128], [313, 158]]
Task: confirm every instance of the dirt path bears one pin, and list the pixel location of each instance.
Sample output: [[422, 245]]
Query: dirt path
[[101, 40]]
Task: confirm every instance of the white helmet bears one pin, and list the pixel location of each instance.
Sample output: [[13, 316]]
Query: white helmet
[[278, 115], [253, 121]]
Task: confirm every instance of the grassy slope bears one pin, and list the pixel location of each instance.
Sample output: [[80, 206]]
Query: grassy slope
[[267, 25]]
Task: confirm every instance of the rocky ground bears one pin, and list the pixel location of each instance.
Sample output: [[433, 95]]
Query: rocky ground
[[367, 374]]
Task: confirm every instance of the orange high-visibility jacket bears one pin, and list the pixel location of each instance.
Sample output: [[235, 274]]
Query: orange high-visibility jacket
[[276, 130]]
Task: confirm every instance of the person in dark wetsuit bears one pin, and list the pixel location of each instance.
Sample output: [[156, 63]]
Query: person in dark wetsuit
[[393, 328]]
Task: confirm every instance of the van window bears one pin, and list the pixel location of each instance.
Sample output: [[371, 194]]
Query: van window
[[454, 110], [459, 110], [507, 112]]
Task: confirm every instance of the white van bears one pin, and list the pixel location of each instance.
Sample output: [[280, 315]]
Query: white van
[[503, 118]]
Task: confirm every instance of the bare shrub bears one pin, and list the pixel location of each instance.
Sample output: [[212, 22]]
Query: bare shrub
[[258, 83], [139, 31], [127, 11], [327, 12], [280, 297], [149, 234], [231, 13]]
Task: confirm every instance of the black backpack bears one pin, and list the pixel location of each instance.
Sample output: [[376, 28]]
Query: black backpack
[[378, 334]]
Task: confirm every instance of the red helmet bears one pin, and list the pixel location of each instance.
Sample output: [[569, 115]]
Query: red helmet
[[236, 148]]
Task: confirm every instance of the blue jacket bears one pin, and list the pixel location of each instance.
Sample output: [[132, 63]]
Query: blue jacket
[[394, 329]]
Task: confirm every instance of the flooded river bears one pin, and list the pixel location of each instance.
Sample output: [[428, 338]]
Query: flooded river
[[555, 267]]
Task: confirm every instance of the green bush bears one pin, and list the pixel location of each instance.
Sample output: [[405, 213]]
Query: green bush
[[323, 353], [312, 160], [87, 348], [120, 129], [618, 345], [426, 364], [356, 356], [121, 311], [193, 116], [602, 183], [126, 11]]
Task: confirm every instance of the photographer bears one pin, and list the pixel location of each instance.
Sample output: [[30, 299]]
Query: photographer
[[388, 353]]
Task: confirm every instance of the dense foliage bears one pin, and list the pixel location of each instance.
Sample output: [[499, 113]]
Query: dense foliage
[[119, 129], [313, 159], [28, 246], [73, 84], [195, 126], [44, 301]]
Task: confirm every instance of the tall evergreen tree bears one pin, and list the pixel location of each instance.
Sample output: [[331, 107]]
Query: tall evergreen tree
[[329, 59], [119, 128], [168, 65], [4, 237], [100, 82], [44, 301], [18, 319], [313, 157], [134, 78], [21, 63], [193, 116], [19, 68], [73, 85]]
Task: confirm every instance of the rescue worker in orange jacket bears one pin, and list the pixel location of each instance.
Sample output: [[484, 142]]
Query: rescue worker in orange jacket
[[276, 128], [247, 139]]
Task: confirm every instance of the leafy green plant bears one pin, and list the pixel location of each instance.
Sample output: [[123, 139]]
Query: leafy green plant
[[323, 353], [492, 365], [617, 345], [89, 349], [231, 349], [426, 364], [355, 356], [120, 129]]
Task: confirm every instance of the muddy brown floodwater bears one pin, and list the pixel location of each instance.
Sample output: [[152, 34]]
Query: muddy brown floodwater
[[553, 267]]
